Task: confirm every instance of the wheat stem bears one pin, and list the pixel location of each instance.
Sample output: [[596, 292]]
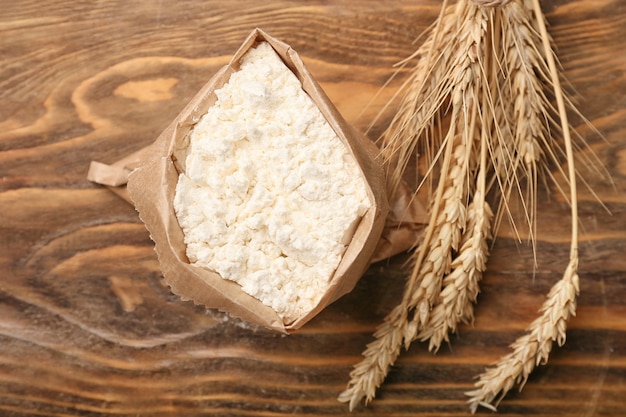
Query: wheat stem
[[565, 127], [533, 348]]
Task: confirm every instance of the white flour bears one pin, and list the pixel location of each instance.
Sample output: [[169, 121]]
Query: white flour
[[270, 196]]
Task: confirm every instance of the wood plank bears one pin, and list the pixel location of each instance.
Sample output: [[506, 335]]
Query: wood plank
[[87, 329]]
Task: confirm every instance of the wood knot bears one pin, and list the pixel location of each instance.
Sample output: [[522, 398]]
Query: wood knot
[[491, 3]]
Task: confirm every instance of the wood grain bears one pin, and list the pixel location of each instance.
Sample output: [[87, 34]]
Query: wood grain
[[86, 328]]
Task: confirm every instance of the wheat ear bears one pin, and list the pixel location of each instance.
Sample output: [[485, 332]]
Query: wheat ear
[[533, 348], [460, 286], [424, 93], [378, 357], [530, 109], [443, 233], [397, 328]]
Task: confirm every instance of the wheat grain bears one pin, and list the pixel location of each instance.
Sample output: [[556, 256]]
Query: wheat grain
[[448, 219], [460, 286]]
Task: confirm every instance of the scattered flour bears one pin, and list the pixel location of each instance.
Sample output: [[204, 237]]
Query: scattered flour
[[270, 196]]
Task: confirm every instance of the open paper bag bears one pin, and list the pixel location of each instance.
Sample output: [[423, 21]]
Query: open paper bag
[[390, 226]]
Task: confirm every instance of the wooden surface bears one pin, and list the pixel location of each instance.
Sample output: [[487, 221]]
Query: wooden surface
[[87, 329]]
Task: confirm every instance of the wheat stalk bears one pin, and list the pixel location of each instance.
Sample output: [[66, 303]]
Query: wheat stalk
[[447, 212], [378, 357], [534, 347], [460, 286], [486, 65], [434, 261], [447, 219]]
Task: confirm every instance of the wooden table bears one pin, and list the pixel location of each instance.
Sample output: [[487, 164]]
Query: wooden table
[[87, 329]]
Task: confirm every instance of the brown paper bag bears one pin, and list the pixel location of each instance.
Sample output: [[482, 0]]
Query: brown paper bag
[[152, 176]]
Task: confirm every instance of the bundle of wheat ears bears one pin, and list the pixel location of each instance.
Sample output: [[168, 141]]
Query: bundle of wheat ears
[[478, 108]]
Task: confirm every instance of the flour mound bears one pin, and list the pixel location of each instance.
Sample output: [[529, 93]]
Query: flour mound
[[270, 196]]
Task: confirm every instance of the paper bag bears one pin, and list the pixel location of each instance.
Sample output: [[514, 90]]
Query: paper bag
[[152, 176]]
